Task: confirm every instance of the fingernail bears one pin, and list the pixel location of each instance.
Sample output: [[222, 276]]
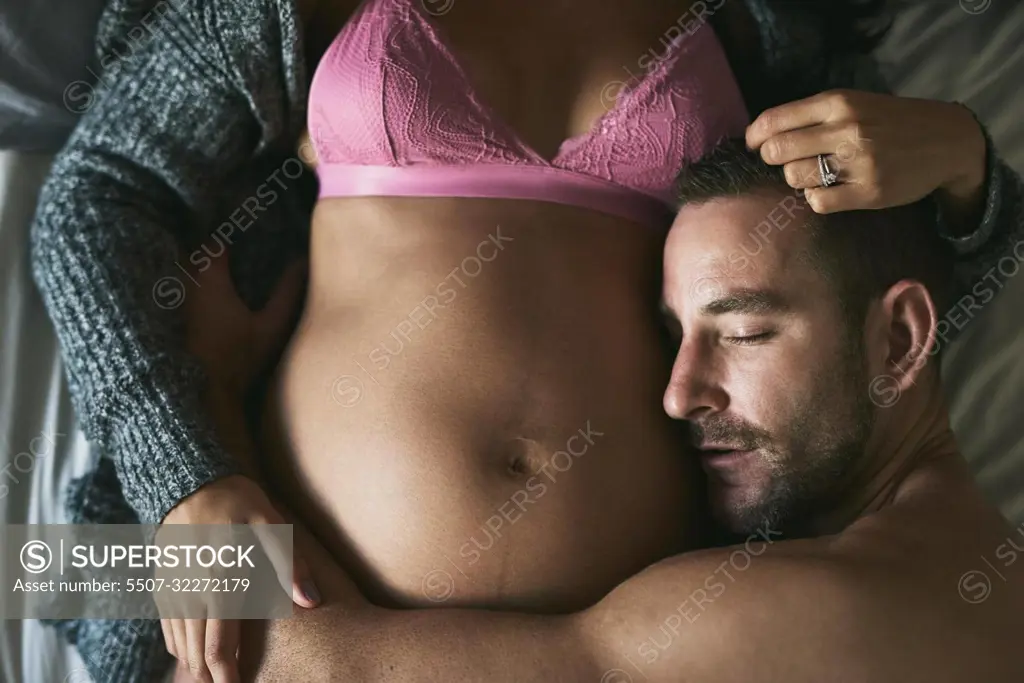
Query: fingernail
[[310, 591]]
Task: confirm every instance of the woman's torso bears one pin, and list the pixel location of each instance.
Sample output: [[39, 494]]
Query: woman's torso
[[470, 409]]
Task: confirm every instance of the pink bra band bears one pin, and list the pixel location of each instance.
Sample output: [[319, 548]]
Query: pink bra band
[[493, 181]]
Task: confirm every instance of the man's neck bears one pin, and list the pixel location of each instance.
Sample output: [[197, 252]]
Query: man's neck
[[904, 442]]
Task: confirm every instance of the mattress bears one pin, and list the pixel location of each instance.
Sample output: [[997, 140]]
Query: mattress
[[938, 50]]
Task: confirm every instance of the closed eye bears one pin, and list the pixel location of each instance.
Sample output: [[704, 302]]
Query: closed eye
[[751, 339]]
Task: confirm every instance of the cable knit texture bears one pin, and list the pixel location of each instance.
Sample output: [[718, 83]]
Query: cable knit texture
[[201, 113]]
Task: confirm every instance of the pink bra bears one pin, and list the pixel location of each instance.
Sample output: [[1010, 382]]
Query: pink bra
[[392, 113]]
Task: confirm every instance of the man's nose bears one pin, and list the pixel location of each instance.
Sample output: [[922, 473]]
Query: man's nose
[[693, 392]]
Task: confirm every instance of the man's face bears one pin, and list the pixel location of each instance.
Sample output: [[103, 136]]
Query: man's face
[[770, 379]]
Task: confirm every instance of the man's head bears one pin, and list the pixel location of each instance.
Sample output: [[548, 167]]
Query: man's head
[[786, 320]]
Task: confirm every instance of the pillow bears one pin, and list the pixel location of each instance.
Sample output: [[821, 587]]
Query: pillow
[[44, 65]]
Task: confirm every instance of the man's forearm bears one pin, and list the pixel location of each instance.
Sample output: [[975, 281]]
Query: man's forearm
[[704, 617], [391, 646], [348, 639]]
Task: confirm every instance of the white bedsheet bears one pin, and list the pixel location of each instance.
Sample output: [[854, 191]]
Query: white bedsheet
[[946, 53], [41, 449]]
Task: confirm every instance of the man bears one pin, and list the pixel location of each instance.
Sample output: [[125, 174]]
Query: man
[[807, 373]]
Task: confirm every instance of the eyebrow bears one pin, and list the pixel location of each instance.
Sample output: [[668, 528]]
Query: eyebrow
[[749, 301]]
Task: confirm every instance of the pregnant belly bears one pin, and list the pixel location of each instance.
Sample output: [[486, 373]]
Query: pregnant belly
[[473, 416]]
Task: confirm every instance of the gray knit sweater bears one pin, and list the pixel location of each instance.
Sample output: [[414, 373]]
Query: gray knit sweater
[[201, 111]]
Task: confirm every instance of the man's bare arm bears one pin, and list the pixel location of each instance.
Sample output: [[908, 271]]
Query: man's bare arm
[[348, 639], [765, 612]]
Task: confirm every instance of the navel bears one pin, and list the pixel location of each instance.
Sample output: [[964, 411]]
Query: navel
[[524, 458]]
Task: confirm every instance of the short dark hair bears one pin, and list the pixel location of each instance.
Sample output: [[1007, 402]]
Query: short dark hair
[[862, 253]]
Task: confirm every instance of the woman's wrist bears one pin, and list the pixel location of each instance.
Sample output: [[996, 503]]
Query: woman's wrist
[[962, 195], [225, 405]]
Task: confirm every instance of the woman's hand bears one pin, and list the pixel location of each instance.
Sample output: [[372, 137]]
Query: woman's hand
[[233, 343], [887, 150], [208, 647]]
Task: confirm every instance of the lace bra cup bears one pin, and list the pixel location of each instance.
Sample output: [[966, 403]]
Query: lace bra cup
[[392, 113]]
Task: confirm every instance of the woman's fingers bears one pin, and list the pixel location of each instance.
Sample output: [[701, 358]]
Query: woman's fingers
[[182, 674], [303, 585], [840, 140], [789, 116], [217, 272], [825, 107], [286, 561], [838, 198], [195, 630], [180, 639], [804, 173], [222, 638], [165, 626]]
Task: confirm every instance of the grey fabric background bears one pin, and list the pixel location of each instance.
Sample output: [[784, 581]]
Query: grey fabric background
[[973, 51], [967, 50], [45, 47]]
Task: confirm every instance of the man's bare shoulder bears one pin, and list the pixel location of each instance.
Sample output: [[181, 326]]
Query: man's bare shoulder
[[903, 594], [937, 523]]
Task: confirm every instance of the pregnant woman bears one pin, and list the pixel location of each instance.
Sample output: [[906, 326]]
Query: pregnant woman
[[481, 285], [475, 382]]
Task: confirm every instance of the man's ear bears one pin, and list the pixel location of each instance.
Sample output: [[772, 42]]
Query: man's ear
[[910, 313]]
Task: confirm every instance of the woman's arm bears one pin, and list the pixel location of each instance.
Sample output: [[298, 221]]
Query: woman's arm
[[981, 203], [980, 199], [213, 83]]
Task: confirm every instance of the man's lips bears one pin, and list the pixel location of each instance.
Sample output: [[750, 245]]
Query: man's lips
[[710, 449], [718, 456]]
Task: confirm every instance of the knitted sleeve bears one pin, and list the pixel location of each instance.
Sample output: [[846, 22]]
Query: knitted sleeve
[[206, 86]]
